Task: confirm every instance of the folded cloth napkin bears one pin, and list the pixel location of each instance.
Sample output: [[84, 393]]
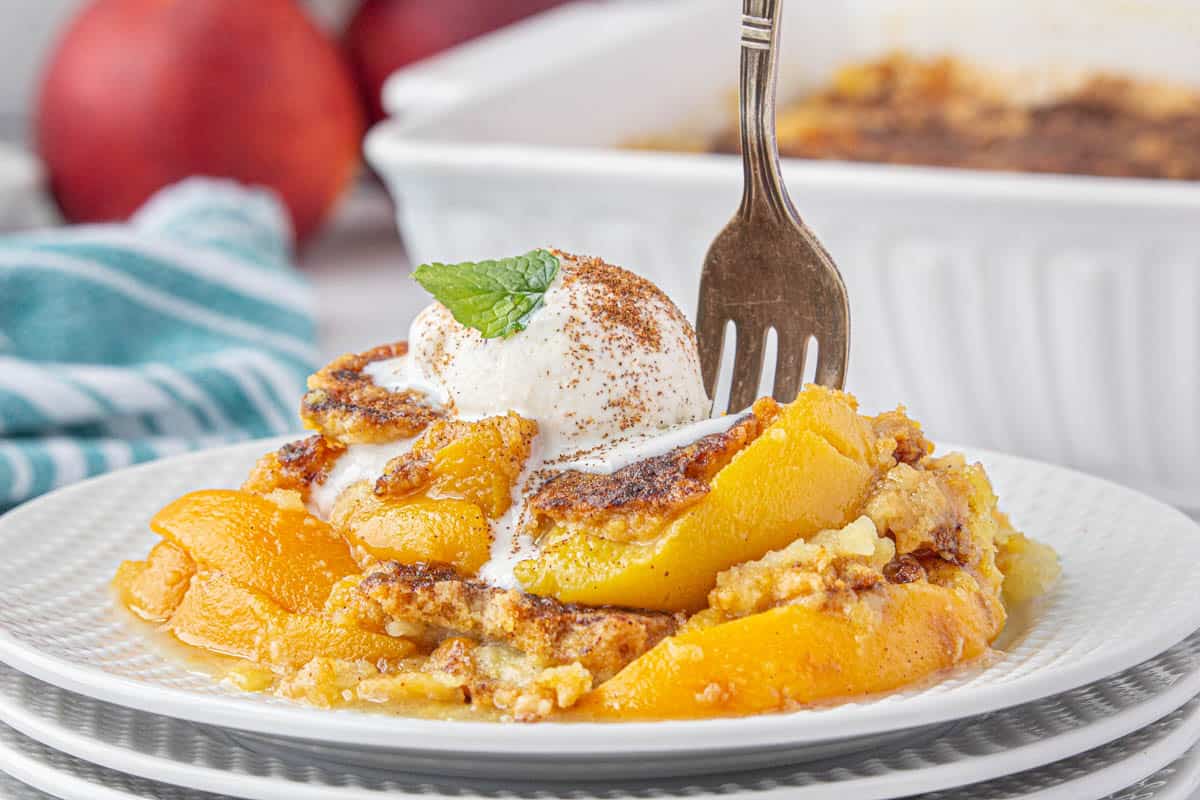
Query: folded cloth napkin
[[184, 328]]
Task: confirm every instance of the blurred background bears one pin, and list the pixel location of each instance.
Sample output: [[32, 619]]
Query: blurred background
[[1010, 189], [352, 252]]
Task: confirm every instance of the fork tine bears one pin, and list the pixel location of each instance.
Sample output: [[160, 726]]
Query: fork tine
[[789, 364], [765, 265], [747, 368], [831, 362], [710, 337]]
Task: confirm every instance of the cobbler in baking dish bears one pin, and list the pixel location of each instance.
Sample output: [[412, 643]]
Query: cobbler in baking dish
[[525, 512], [901, 109]]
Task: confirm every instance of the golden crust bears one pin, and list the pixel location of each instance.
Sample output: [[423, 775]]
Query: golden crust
[[294, 467], [649, 491], [347, 406], [602, 639]]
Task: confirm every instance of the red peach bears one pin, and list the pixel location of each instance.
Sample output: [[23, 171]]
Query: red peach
[[384, 35], [142, 93]]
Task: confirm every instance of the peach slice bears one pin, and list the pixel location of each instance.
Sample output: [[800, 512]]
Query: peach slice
[[153, 588], [286, 554], [798, 654], [482, 464], [219, 615], [809, 471], [415, 529]]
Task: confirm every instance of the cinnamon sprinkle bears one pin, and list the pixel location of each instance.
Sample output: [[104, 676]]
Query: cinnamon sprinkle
[[627, 309]]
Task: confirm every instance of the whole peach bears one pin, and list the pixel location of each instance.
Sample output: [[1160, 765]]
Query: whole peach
[[142, 93], [384, 35]]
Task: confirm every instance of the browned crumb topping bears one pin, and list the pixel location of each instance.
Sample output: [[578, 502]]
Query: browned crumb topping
[[901, 438], [904, 569], [933, 521], [602, 639], [828, 571], [944, 112], [657, 486], [925, 511], [347, 406], [295, 467]]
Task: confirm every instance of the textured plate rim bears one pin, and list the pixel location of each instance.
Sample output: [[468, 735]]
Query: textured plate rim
[[1124, 773], [50, 732], [575, 738]]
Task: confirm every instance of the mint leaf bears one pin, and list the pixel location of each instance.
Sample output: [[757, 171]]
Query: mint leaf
[[496, 298]]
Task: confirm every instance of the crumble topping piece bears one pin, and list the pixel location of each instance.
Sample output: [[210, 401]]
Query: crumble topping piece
[[295, 467], [348, 407], [459, 672], [601, 639], [506, 679], [900, 439], [827, 570], [926, 511]]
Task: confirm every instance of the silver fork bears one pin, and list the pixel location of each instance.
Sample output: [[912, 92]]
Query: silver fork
[[766, 269]]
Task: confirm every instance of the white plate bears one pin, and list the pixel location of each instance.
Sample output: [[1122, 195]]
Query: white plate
[[1131, 565], [1152, 763], [986, 747]]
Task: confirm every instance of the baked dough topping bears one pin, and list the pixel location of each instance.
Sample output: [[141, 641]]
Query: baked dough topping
[[347, 406]]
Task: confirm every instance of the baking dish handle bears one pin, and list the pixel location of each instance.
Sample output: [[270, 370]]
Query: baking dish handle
[[537, 44]]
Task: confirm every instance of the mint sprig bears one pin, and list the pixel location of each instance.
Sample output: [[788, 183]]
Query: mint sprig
[[496, 298]]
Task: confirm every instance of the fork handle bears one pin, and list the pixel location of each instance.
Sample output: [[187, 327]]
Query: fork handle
[[763, 189]]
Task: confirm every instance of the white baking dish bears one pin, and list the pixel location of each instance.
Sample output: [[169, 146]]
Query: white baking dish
[[23, 201], [1049, 316]]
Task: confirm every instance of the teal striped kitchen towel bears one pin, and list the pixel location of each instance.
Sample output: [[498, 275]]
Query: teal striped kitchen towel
[[184, 328]]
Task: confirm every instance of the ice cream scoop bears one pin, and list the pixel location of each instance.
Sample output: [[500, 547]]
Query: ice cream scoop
[[607, 356]]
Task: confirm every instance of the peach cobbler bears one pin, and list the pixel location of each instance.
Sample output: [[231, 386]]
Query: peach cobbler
[[525, 512], [903, 109]]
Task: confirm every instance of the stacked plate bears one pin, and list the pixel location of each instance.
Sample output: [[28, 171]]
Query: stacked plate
[[1093, 694]]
